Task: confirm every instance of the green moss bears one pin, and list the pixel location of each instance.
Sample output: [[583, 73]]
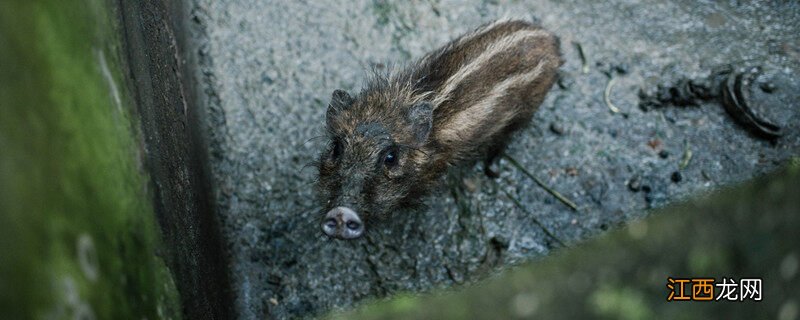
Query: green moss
[[742, 232], [620, 303], [77, 230]]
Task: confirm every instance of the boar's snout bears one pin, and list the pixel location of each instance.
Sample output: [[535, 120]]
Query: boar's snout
[[342, 223]]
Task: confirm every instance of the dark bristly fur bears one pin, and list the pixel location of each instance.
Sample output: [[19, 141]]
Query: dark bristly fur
[[455, 105]]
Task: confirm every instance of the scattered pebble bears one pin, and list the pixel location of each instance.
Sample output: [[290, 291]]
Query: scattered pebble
[[655, 190], [621, 68], [557, 127], [500, 242], [635, 183], [565, 82], [266, 78], [571, 171], [609, 69], [655, 199], [663, 154], [768, 87], [676, 177]]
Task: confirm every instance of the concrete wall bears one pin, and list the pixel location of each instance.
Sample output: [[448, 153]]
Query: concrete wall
[[267, 70], [103, 212], [745, 232]]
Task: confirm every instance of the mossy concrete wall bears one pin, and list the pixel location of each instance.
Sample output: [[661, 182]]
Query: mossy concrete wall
[[176, 154], [99, 209], [745, 232], [78, 236]]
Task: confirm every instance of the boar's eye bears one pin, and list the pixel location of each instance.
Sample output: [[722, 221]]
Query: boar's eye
[[336, 149], [390, 157]]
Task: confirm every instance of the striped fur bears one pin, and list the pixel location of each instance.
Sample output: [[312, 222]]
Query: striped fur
[[477, 64], [481, 88], [463, 124], [492, 81]]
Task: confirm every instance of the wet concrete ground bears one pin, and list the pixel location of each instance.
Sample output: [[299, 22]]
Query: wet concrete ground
[[268, 70]]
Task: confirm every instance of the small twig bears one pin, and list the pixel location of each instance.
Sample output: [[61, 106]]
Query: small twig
[[536, 221], [558, 196], [584, 60], [687, 156], [463, 206], [607, 94]]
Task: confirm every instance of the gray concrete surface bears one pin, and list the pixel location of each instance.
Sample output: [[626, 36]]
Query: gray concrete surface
[[174, 156], [267, 69], [624, 274]]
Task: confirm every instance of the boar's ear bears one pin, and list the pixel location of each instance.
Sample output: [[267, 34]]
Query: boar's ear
[[340, 100], [420, 116]]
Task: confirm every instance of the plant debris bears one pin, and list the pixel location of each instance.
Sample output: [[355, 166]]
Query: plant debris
[[584, 60], [731, 87], [736, 98], [606, 95], [654, 144], [556, 194], [687, 156], [536, 221]]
